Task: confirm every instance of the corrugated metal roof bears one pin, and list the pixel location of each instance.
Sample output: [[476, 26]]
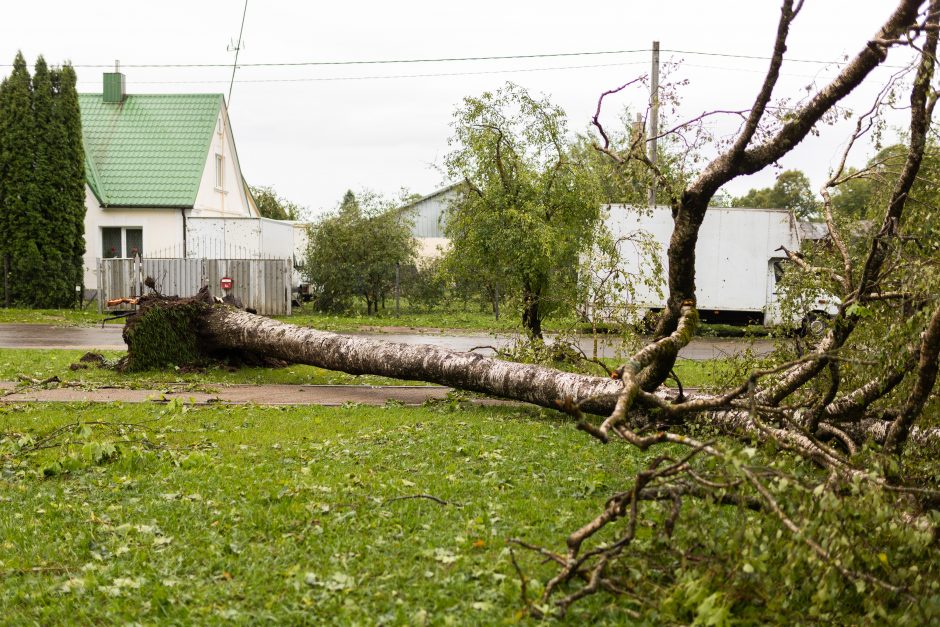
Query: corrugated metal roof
[[150, 150]]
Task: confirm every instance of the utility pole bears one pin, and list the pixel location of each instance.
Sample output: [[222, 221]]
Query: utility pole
[[654, 117]]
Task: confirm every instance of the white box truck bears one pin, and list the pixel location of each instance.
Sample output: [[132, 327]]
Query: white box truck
[[738, 260]]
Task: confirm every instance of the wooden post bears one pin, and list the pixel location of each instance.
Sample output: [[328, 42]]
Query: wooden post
[[397, 286], [654, 117], [496, 300], [138, 278], [6, 281]]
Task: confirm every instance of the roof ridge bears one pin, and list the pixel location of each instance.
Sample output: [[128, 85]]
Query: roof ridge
[[175, 95]]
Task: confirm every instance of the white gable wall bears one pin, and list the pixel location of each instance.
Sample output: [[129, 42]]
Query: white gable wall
[[230, 200]]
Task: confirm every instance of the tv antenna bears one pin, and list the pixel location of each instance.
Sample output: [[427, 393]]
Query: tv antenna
[[236, 46]]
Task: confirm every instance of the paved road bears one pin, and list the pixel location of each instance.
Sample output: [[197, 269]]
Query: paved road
[[109, 338], [272, 394]]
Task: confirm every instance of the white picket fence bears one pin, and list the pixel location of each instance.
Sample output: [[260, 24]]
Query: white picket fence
[[262, 284]]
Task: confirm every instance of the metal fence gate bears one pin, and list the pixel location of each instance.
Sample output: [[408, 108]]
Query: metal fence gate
[[263, 284]]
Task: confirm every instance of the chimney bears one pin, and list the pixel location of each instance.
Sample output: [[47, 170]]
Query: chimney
[[114, 85]]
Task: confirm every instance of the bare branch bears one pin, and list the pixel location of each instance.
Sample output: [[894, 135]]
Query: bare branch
[[926, 377]]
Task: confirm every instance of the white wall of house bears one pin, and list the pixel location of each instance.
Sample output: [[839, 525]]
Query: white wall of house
[[432, 247], [229, 199], [162, 229], [254, 238]]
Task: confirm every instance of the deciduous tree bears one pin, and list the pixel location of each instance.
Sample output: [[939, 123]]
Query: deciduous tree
[[529, 209], [355, 252], [791, 191]]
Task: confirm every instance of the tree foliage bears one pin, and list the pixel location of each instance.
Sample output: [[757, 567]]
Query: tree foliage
[[274, 206], [42, 184], [530, 206], [356, 251], [791, 191]]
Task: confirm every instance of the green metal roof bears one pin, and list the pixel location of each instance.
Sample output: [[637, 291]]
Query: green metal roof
[[150, 150]]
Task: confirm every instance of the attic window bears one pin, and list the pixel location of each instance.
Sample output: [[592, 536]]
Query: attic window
[[219, 172]]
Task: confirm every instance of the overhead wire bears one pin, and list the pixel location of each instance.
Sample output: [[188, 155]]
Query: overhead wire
[[453, 60], [392, 76]]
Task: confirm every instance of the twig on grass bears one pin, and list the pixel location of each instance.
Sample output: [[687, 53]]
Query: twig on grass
[[419, 496], [523, 587]]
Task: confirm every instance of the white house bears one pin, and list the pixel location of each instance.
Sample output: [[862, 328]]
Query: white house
[[153, 162]]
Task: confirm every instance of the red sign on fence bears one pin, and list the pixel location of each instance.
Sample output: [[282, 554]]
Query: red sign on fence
[[226, 283]]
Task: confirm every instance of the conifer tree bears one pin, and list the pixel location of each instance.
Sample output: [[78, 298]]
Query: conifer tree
[[71, 167], [16, 172], [42, 185], [38, 277]]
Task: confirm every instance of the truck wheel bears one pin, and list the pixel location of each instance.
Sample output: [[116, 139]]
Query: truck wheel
[[815, 324]]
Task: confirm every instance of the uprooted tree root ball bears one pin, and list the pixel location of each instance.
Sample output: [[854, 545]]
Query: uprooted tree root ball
[[168, 331], [164, 332]]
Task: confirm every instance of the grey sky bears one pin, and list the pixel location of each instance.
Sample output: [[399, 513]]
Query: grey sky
[[312, 138]]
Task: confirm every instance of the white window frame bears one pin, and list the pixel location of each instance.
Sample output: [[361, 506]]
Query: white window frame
[[123, 253], [220, 172]]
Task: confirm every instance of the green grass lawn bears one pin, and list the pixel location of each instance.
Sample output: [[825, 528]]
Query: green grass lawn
[[287, 514], [459, 321], [54, 317], [43, 363]]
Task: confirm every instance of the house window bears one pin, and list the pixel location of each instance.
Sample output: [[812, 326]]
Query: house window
[[122, 241], [219, 177]]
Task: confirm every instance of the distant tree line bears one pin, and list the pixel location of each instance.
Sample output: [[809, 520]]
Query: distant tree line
[[527, 210], [790, 191], [42, 185], [526, 216]]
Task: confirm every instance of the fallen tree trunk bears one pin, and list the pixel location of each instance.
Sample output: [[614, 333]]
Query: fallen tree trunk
[[187, 331], [236, 330]]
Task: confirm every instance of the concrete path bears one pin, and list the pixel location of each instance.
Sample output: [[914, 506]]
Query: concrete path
[[330, 395], [109, 338]]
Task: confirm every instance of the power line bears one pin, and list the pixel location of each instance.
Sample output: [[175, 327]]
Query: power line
[[390, 76], [458, 59], [363, 62]]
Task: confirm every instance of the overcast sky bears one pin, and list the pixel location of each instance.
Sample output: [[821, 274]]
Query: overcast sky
[[314, 131]]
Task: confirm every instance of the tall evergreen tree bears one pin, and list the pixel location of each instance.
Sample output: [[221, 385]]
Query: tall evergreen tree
[[38, 276], [42, 182], [71, 180], [16, 168]]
